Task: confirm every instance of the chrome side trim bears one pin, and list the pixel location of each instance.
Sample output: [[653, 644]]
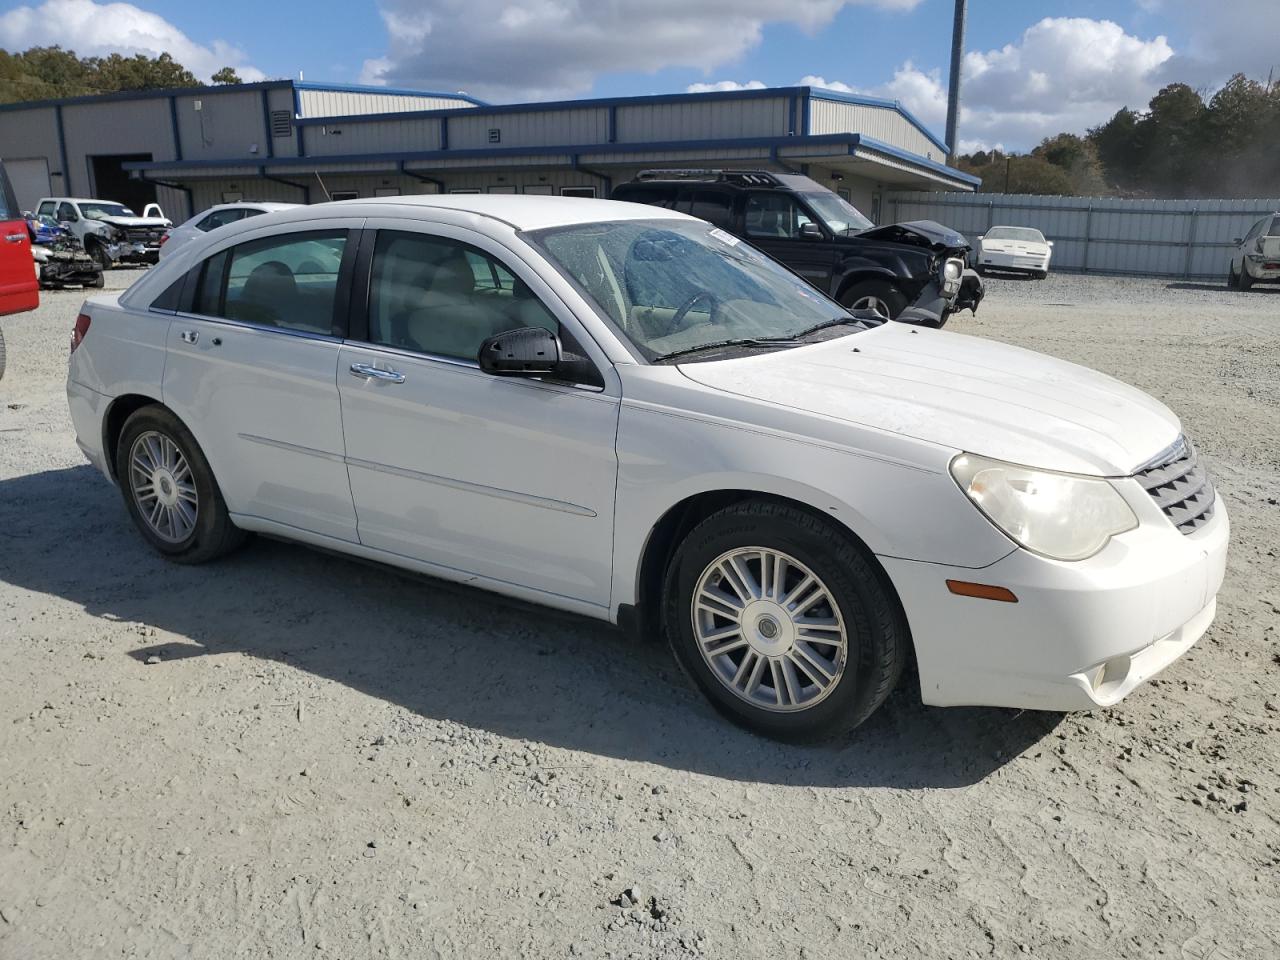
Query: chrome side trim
[[293, 448], [527, 499]]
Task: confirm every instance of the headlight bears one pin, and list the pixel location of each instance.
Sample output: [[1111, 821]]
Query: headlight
[[1059, 515], [952, 270]]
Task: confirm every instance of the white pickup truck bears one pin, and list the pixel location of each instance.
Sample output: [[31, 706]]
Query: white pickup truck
[[1256, 258], [110, 231]]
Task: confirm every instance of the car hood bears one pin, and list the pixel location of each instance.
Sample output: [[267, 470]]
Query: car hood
[[919, 233], [961, 392], [135, 222]]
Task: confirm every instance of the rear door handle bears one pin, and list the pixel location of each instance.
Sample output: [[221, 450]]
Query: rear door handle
[[189, 336], [369, 372], [14, 237]]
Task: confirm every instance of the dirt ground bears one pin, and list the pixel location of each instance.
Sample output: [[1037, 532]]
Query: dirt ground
[[288, 754]]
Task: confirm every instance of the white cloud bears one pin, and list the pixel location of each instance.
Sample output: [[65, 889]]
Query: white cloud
[[97, 29], [1223, 39], [532, 49], [1063, 74], [723, 86]]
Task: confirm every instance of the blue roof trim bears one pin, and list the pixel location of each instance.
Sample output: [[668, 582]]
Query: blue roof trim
[[145, 95], [541, 106], [879, 146], [373, 88], [837, 96], [848, 141]]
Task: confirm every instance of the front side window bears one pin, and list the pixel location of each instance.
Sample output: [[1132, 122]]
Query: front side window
[[841, 217], [439, 296], [774, 215], [673, 286], [46, 209], [288, 281], [67, 212]]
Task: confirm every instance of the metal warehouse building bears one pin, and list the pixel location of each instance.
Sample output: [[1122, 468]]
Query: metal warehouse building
[[307, 142]]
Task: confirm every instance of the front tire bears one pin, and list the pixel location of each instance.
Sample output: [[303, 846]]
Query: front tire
[[99, 253], [782, 620], [880, 296], [170, 491]]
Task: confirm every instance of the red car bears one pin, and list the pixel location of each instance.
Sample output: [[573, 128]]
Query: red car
[[19, 288]]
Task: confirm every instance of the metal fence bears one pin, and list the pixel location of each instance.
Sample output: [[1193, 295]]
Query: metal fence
[[1191, 239]]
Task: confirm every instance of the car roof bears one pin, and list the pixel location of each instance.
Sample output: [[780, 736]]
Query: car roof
[[259, 204], [82, 200], [524, 212]]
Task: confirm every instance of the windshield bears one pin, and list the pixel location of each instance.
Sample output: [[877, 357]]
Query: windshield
[[100, 211], [840, 216], [1025, 234], [675, 286]]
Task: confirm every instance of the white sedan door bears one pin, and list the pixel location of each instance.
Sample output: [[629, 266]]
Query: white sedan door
[[510, 479], [252, 370]]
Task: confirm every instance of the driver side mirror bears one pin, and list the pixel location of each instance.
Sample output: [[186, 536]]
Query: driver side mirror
[[526, 352], [1050, 242], [980, 236], [1237, 240], [811, 231]]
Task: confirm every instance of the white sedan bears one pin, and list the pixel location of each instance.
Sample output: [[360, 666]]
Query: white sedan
[[624, 412], [221, 215], [1016, 249]]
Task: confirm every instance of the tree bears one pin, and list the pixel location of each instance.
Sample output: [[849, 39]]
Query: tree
[[1078, 156], [1117, 144], [226, 75], [141, 72]]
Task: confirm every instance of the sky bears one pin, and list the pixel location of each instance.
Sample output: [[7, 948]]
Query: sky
[[1032, 68]]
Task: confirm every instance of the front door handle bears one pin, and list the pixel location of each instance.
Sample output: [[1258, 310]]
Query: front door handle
[[14, 237], [369, 372]]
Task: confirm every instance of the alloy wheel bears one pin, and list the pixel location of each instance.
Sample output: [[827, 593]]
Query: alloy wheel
[[163, 487], [873, 303], [769, 629]]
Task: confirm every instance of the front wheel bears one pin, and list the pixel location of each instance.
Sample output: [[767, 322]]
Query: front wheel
[[879, 296], [170, 490], [782, 621], [99, 254]]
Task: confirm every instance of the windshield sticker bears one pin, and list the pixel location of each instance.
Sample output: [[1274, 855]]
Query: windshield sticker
[[723, 237]]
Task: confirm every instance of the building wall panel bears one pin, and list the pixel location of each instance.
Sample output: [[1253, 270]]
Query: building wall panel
[[882, 123], [341, 103], [383, 136], [102, 129], [31, 134], [537, 128], [226, 125], [704, 120]]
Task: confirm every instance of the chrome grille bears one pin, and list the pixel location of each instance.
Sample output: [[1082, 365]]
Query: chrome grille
[[1180, 486]]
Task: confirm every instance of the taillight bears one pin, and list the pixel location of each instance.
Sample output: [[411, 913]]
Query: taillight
[[81, 328], [164, 238]]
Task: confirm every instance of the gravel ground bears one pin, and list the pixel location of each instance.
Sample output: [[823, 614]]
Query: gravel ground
[[289, 754]]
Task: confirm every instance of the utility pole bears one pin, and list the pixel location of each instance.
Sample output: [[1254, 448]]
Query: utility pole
[[953, 91]]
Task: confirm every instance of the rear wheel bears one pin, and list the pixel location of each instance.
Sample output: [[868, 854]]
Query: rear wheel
[[170, 490], [99, 281], [781, 620], [879, 296], [1245, 280], [1233, 282]]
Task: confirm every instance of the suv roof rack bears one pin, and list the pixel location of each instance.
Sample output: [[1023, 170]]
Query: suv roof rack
[[754, 178]]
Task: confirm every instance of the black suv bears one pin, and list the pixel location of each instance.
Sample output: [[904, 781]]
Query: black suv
[[907, 271]]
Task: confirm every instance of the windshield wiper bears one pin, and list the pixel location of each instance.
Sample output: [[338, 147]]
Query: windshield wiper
[[869, 317], [735, 342]]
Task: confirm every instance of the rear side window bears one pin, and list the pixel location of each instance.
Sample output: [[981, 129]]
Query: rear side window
[[774, 215], [171, 299], [289, 281], [219, 218], [67, 212], [46, 209], [713, 207]]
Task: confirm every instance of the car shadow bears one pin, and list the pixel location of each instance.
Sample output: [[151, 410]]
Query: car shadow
[[1219, 287], [454, 653]]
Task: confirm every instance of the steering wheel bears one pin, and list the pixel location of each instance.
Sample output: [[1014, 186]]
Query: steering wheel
[[685, 307]]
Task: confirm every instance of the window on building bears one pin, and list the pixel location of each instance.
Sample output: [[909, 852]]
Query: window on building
[[344, 195], [540, 189], [465, 190], [442, 297], [287, 281], [577, 191], [774, 215]]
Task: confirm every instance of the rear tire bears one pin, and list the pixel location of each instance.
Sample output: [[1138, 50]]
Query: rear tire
[[1233, 282], [170, 491], [878, 295], [98, 282], [797, 697], [1041, 274], [1246, 282]]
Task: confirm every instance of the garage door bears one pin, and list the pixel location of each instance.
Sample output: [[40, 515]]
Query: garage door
[[30, 179]]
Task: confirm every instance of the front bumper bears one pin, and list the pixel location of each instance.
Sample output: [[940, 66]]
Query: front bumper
[[134, 252], [996, 260], [81, 270], [934, 304], [1082, 634]]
